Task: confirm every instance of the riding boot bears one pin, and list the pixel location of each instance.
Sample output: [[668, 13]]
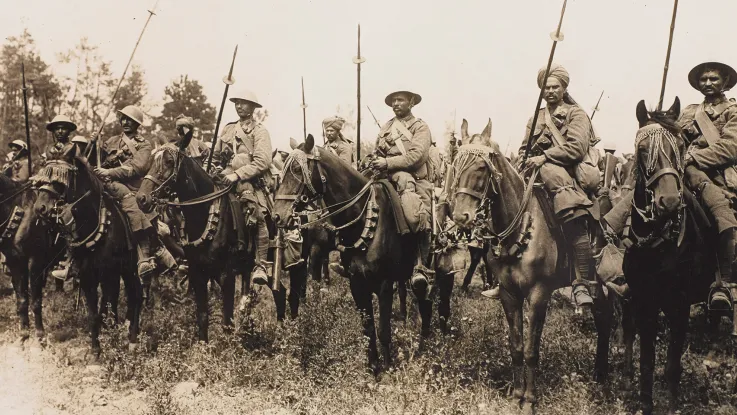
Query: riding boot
[[69, 268], [722, 297], [422, 274], [164, 258], [259, 275], [576, 233], [240, 225], [145, 261]]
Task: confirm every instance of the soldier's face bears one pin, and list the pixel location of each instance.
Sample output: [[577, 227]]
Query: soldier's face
[[402, 104], [129, 126], [331, 133], [554, 91], [711, 83], [61, 132], [244, 109]]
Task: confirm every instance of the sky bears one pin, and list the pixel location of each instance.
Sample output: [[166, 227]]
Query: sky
[[476, 59]]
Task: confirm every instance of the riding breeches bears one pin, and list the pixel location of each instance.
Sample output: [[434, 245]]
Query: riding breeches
[[568, 197], [417, 214], [127, 198], [714, 198]]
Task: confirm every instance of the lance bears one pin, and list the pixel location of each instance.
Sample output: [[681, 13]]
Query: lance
[[96, 138], [374, 116], [596, 108], [304, 110], [667, 55], [358, 60], [25, 109], [228, 81], [557, 36]]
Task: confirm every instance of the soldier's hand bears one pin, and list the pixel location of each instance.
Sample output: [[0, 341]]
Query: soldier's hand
[[102, 173], [379, 164], [230, 178], [688, 160], [535, 162]]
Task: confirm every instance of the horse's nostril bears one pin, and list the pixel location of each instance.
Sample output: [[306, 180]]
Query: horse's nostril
[[277, 218]]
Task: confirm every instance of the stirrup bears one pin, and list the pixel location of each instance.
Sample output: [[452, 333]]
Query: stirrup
[[581, 295], [720, 297], [146, 267], [259, 278]]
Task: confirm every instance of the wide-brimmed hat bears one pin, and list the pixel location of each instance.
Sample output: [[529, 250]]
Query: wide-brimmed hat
[[132, 112], [19, 143], [388, 99], [80, 139], [246, 95], [695, 74], [61, 119]]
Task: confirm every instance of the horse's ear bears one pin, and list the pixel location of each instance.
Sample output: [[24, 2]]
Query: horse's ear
[[675, 109], [464, 132], [293, 143], [273, 153], [641, 112], [486, 134], [184, 142], [309, 144]]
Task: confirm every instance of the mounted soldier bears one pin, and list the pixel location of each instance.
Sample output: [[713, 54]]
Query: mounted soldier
[[402, 151], [337, 143], [61, 127], [562, 139], [711, 130], [196, 148], [243, 153], [17, 166]]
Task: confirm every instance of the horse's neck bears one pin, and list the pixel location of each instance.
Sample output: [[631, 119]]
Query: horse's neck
[[192, 182], [343, 184], [508, 202]]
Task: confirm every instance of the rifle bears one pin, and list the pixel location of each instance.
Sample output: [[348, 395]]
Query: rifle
[[25, 110], [228, 81], [278, 259], [557, 36]]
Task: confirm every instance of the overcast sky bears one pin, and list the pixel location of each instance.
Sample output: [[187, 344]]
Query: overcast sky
[[479, 58]]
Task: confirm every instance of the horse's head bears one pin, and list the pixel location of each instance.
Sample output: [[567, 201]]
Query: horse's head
[[57, 183], [659, 150], [301, 181], [475, 175], [163, 173]]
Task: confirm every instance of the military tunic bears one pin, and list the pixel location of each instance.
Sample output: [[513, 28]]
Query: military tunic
[[342, 148], [558, 172], [126, 169]]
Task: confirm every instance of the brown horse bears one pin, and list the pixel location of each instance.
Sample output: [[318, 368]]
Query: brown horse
[[375, 255], [489, 194], [70, 195], [29, 249], [667, 264]]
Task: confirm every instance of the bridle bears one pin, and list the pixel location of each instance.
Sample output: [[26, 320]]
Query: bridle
[[165, 185]]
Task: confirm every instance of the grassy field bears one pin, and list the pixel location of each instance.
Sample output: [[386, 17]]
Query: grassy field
[[316, 364]]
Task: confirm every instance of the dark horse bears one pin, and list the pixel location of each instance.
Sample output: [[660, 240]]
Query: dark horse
[[28, 248], [524, 255], [70, 195], [666, 264], [376, 255], [208, 230]]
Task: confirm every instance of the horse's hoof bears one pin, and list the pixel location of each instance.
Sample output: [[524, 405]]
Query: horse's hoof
[[528, 408], [40, 333], [24, 335], [132, 347]]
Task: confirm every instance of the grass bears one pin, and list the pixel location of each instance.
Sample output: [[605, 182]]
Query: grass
[[316, 363]]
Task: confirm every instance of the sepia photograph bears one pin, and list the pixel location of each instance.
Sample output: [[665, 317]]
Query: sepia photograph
[[298, 207]]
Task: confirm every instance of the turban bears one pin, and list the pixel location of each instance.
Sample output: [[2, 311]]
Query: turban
[[183, 121], [556, 71], [335, 122]]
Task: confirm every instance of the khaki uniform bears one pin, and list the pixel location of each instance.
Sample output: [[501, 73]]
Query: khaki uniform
[[17, 170], [558, 173], [127, 168], [342, 148]]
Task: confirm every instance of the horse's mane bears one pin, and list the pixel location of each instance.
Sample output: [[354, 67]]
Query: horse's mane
[[664, 120], [87, 171]]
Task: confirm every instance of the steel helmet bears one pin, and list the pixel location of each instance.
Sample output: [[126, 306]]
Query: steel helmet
[[61, 119], [609, 146], [246, 95], [132, 112], [388, 99], [19, 143], [80, 139]]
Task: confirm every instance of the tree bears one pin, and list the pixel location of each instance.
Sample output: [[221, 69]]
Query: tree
[[185, 96], [44, 93]]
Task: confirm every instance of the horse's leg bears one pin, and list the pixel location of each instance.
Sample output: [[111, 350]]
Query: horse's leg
[[89, 286], [280, 301], [603, 315], [402, 291], [445, 288], [476, 255], [647, 325], [20, 286], [362, 296], [228, 290], [512, 303], [58, 285], [386, 298], [424, 304], [297, 281], [629, 331], [134, 295], [200, 293], [539, 297], [677, 314]]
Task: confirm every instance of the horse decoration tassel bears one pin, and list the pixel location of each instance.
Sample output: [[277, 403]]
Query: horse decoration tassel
[[56, 171]]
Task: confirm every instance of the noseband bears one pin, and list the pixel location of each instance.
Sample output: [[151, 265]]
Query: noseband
[[158, 157], [301, 199]]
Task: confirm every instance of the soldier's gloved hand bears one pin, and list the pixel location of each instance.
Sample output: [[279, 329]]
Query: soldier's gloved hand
[[230, 178], [535, 162], [379, 164]]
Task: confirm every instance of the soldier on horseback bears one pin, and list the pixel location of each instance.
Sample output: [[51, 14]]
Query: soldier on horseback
[[17, 168], [61, 127], [711, 130], [337, 143], [196, 148], [402, 150], [562, 139], [243, 153]]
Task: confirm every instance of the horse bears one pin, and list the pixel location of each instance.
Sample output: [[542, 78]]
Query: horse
[[28, 248], [373, 252], [209, 231], [488, 195], [666, 264], [70, 195]]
